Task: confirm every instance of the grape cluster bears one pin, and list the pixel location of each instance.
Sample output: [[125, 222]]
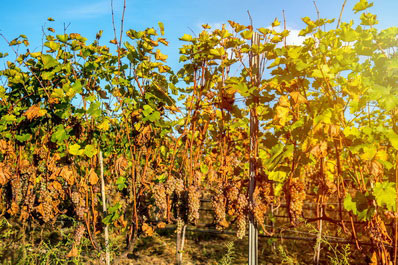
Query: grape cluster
[[159, 194], [241, 223], [295, 196], [45, 207], [218, 204], [79, 233], [242, 203], [16, 190], [193, 203], [174, 185], [232, 193], [378, 231], [79, 204], [260, 210]]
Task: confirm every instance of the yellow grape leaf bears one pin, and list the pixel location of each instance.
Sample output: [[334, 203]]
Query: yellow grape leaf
[[276, 22], [297, 97], [160, 56], [104, 126], [373, 260], [282, 115], [284, 101]]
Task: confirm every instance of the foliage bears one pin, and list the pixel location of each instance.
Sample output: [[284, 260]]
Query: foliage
[[228, 258], [326, 110]]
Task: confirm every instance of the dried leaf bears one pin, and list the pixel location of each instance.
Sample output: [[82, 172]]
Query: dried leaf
[[67, 175], [147, 229], [5, 174], [161, 225], [92, 177], [72, 253], [56, 186], [34, 112]]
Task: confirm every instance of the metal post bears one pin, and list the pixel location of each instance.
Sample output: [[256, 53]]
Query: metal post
[[253, 231]]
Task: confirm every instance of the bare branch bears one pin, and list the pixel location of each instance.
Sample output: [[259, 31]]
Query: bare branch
[[341, 14]]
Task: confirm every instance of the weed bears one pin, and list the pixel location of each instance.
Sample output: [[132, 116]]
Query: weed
[[228, 258]]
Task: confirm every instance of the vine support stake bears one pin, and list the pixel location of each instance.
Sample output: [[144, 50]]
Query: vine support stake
[[253, 230], [103, 193]]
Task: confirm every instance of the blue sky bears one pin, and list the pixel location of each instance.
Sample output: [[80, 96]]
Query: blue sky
[[179, 16]]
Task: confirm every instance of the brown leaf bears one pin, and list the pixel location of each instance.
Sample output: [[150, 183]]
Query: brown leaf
[[67, 175], [147, 229], [161, 225], [5, 174], [376, 168], [14, 208], [3, 146], [56, 186], [320, 150], [92, 177], [73, 252], [34, 112]]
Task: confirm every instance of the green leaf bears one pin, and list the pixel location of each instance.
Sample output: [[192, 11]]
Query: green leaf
[[359, 205], [94, 110], [155, 116], [393, 137], [361, 5], [9, 118], [204, 168], [368, 19], [385, 195], [121, 183], [90, 150], [75, 89], [351, 132], [59, 135], [74, 149], [48, 61], [23, 137], [62, 38], [349, 204], [147, 110], [278, 176]]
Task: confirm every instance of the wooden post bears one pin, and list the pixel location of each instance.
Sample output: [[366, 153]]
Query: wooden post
[[318, 240], [103, 193], [253, 230]]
